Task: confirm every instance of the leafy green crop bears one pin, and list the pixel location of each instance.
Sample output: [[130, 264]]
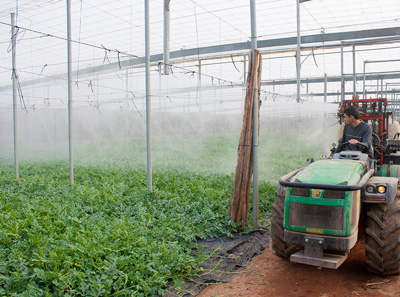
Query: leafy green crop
[[106, 235]]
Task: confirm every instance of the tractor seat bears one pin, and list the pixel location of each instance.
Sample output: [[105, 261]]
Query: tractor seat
[[354, 155], [351, 155]]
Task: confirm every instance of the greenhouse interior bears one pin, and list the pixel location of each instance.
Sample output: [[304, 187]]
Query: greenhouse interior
[[121, 120]]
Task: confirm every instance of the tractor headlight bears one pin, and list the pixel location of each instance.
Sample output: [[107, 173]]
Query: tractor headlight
[[370, 189], [381, 189]]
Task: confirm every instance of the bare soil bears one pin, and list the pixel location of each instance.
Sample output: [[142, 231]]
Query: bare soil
[[269, 275]]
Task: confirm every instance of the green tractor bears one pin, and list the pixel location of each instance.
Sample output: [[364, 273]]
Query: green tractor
[[319, 209]]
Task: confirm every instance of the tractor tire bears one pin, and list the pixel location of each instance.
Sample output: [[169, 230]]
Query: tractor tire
[[382, 242], [282, 249]]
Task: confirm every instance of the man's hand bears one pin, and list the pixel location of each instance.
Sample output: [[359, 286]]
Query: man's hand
[[353, 141]]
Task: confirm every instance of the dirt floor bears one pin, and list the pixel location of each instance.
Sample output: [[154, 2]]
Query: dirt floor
[[268, 275]]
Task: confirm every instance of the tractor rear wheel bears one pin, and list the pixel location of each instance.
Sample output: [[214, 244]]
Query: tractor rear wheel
[[382, 242], [282, 249]]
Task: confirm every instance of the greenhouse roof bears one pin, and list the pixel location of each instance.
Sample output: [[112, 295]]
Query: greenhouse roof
[[108, 34]]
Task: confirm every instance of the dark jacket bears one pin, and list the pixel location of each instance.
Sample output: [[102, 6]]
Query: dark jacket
[[362, 132]]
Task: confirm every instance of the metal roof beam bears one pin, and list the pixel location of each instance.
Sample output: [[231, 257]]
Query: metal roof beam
[[350, 93], [232, 47], [379, 76]]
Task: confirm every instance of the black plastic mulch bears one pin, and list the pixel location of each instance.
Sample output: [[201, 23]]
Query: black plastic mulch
[[227, 256]]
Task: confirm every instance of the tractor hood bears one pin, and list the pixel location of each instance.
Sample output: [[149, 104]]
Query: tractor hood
[[331, 172]]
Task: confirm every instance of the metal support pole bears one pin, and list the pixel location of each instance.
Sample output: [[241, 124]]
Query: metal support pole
[[244, 70], [394, 109], [298, 57], [307, 90], [14, 85], [325, 87], [166, 36], [127, 105], [354, 73], [298, 75], [386, 92], [325, 101], [199, 95], [69, 51], [398, 106], [364, 80], [126, 84], [341, 73], [199, 88], [148, 96], [255, 117], [393, 103]]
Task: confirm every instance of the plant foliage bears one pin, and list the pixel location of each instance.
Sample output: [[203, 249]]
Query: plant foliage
[[106, 235]]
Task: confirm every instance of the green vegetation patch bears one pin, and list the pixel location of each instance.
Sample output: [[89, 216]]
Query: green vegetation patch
[[106, 235]]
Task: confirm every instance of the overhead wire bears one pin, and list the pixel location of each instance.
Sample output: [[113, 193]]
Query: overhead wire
[[219, 18], [73, 41], [79, 42], [198, 50]]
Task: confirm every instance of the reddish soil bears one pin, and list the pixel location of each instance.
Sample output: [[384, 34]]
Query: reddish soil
[[268, 275]]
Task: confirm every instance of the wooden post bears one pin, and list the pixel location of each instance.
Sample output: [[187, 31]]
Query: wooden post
[[239, 206]]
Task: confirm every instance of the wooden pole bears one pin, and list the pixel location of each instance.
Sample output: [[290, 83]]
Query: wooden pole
[[239, 206]]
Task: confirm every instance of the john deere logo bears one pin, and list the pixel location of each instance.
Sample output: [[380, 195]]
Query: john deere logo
[[316, 193]]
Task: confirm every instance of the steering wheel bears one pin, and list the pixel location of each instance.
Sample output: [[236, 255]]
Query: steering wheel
[[362, 146], [376, 144], [375, 139]]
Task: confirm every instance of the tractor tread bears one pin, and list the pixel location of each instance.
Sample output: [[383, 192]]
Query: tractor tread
[[282, 249], [382, 243]]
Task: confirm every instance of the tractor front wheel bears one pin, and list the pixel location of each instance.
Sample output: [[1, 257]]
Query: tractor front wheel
[[382, 242], [282, 249]]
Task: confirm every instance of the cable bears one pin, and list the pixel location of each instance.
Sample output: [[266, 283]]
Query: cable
[[208, 11], [79, 41], [74, 41]]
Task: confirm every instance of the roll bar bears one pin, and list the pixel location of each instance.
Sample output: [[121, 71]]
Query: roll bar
[[284, 181]]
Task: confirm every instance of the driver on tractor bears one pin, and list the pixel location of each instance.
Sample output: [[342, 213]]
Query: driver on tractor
[[356, 133]]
